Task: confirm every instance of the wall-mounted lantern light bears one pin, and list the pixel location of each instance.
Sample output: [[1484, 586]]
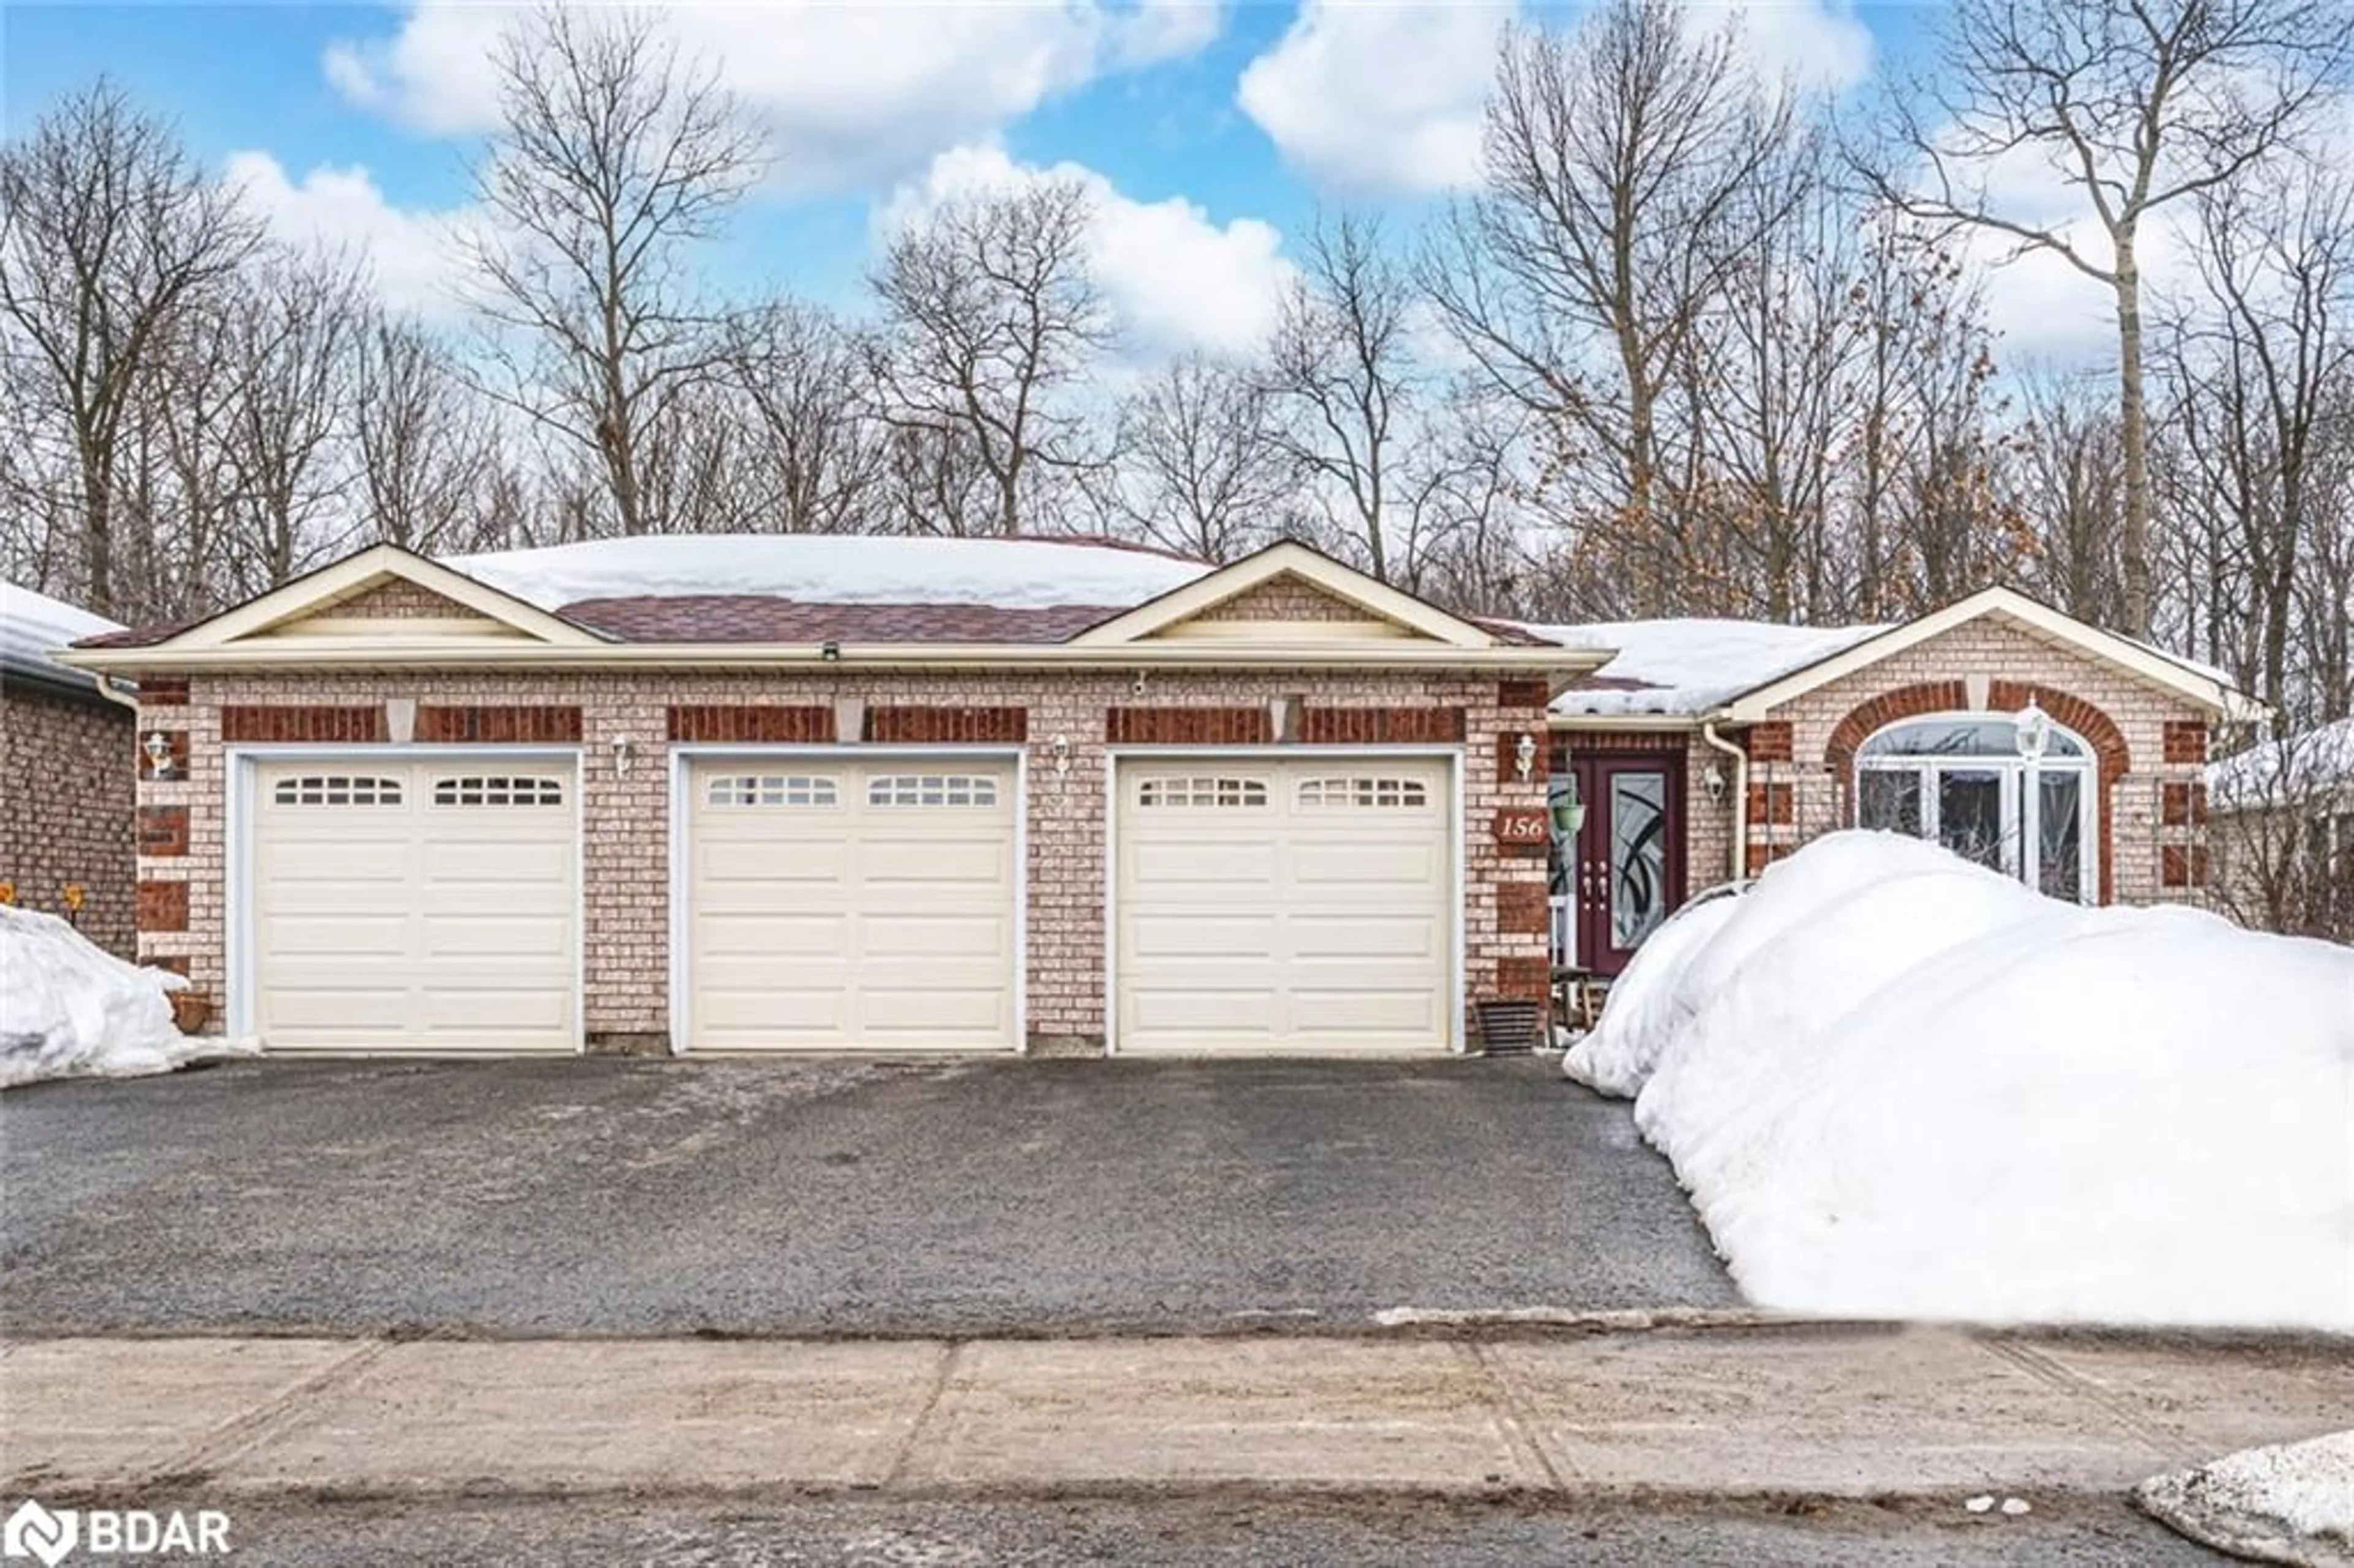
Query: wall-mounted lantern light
[[621, 753], [1524, 755], [1714, 781], [1061, 746], [159, 754]]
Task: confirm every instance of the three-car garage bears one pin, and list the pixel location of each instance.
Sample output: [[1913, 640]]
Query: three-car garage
[[832, 900]]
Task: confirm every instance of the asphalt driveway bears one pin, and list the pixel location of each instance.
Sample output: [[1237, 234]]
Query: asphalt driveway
[[608, 1196]]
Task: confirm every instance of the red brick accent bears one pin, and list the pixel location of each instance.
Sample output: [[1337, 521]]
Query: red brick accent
[[2185, 804], [2186, 741], [1521, 695], [1523, 908], [175, 964], [1188, 727], [813, 725], [497, 725], [302, 722], [1774, 805], [948, 726], [1761, 855], [162, 906], [175, 742], [154, 691], [2183, 865], [1771, 742], [1524, 980], [163, 830], [1877, 713], [1381, 726]]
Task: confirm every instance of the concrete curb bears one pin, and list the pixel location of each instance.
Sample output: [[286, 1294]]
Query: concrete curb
[[1714, 1406]]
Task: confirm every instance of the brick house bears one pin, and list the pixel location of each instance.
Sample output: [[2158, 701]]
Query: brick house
[[1705, 750], [65, 774], [697, 795]]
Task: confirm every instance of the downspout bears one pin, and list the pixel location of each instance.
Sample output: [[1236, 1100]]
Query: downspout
[[112, 692], [1740, 796]]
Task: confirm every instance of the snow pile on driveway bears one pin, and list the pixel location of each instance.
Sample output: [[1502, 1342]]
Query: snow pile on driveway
[[1897, 1084], [69, 1009], [2293, 1503]]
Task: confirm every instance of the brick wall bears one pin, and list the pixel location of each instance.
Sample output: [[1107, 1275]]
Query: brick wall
[[625, 865], [1283, 598], [67, 770], [2142, 737]]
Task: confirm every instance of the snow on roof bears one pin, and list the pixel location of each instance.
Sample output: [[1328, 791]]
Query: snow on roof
[[1690, 666], [837, 569], [33, 626], [2277, 771]]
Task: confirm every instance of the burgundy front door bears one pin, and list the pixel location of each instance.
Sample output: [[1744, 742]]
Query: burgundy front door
[[1621, 871]]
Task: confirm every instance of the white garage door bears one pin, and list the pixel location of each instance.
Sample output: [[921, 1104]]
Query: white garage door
[[416, 905], [1291, 907], [851, 906]]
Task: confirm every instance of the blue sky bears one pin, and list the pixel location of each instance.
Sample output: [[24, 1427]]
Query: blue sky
[[1214, 133]]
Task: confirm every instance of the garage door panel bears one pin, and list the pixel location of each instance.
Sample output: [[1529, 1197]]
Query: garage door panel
[[448, 926], [1320, 920], [885, 921], [1209, 933]]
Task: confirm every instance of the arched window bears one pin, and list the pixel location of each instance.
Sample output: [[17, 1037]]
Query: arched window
[[2015, 793]]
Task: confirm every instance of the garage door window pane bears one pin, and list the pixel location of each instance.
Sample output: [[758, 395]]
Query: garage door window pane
[[1205, 791], [498, 790], [1368, 791], [931, 789], [772, 790], [337, 790]]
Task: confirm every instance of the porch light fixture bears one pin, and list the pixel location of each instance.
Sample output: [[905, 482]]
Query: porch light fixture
[[1524, 755], [1712, 781], [2031, 731], [621, 756], [829, 651], [1060, 747], [159, 754]]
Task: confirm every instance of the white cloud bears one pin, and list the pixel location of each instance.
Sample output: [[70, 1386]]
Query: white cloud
[[414, 258], [1814, 44], [1384, 98], [851, 92], [1177, 278], [1390, 97]]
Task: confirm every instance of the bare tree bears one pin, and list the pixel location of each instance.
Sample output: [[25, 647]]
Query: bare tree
[[2133, 105], [425, 445], [107, 231], [614, 157], [1355, 398], [2256, 363], [2070, 479], [1203, 467], [1616, 161], [817, 452], [991, 318]]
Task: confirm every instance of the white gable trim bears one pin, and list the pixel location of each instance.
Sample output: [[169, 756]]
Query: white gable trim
[[1375, 597], [2122, 654], [355, 575]]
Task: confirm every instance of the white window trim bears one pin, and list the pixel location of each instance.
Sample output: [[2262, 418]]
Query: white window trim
[[2021, 806], [684, 755], [815, 781], [1261, 757], [241, 790]]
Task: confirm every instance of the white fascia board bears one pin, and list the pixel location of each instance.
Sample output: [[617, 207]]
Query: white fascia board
[[1369, 594], [2147, 664]]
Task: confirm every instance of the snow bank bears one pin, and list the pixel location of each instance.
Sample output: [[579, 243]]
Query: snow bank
[[2293, 1503], [1648, 1003], [1692, 666], [835, 568], [1898, 1084], [34, 626], [67, 1009]]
